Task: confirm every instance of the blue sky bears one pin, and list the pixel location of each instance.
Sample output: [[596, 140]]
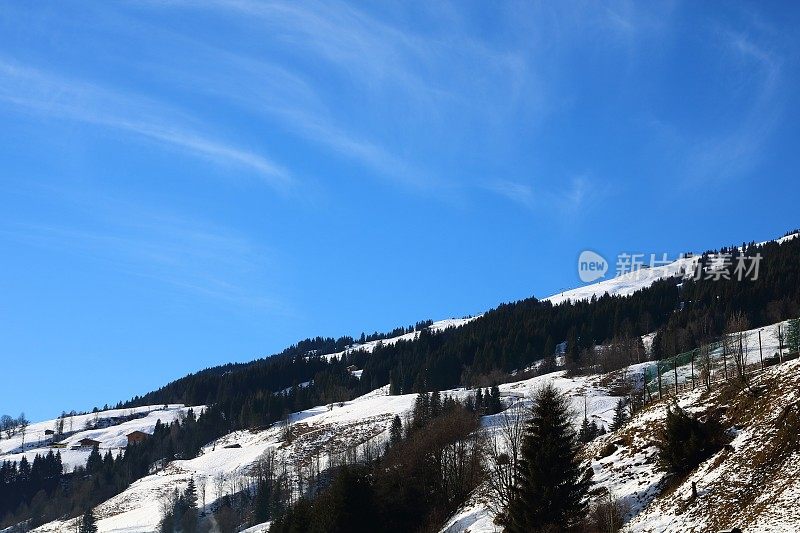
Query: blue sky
[[184, 184]]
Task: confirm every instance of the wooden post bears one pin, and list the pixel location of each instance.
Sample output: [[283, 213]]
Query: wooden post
[[780, 345], [725, 358], [658, 371], [675, 368], [585, 409], [760, 350], [742, 356], [693, 369]]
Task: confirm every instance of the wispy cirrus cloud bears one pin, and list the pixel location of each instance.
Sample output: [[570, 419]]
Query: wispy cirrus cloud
[[520, 193], [425, 79], [268, 90], [574, 194], [734, 151], [56, 97]]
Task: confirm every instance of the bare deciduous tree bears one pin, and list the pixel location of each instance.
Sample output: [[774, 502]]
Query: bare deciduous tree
[[22, 423], [503, 453], [706, 365], [736, 344]]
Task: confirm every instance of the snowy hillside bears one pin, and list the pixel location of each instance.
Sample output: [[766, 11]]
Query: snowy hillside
[[752, 484], [109, 427], [622, 285], [628, 283], [630, 473], [316, 438], [369, 347], [319, 434]]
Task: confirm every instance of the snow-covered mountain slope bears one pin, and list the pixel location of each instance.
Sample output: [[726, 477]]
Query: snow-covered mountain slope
[[369, 347], [757, 343], [628, 283], [109, 427], [752, 484], [319, 434], [623, 285]]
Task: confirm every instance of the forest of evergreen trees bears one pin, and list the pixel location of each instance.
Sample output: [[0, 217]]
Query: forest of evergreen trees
[[41, 491], [513, 336], [684, 313]]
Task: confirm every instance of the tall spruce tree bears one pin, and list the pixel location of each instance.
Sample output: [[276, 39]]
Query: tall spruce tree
[[396, 430], [620, 415], [95, 461], [793, 335], [585, 432], [88, 522], [494, 403], [435, 404], [551, 483], [189, 519]]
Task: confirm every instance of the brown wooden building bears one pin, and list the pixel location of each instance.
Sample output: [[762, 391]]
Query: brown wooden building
[[135, 437]]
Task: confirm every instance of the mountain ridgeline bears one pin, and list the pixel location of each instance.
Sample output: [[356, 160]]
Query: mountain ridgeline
[[682, 312]]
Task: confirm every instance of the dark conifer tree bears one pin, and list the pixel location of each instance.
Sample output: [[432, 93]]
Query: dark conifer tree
[[396, 430], [421, 411], [436, 404], [620, 415], [495, 405], [584, 433], [594, 430], [88, 522], [686, 441], [95, 461], [551, 482]]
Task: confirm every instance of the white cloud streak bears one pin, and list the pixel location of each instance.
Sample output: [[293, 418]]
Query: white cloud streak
[[60, 98], [728, 155]]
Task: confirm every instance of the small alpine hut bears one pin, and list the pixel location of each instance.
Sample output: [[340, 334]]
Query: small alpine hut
[[135, 437], [88, 443]]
